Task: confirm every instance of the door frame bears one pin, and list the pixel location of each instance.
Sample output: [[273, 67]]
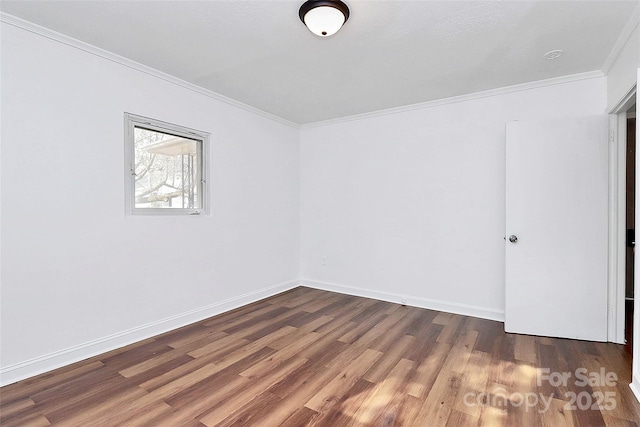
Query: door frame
[[617, 216]]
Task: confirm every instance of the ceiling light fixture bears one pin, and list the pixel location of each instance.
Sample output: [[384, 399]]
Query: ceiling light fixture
[[324, 18]]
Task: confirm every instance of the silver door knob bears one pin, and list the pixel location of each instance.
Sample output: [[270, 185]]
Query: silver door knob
[[513, 238]]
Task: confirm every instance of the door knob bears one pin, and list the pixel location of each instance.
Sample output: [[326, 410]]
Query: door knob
[[513, 238]]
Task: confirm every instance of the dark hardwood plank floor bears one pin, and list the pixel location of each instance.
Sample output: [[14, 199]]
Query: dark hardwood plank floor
[[314, 358]]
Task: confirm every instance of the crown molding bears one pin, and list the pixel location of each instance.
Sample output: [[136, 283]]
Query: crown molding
[[625, 103], [461, 98], [623, 38], [110, 56]]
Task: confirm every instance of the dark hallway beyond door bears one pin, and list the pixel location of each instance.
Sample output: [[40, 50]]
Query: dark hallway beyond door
[[630, 222]]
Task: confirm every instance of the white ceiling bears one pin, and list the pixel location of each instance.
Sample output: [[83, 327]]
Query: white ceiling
[[389, 53]]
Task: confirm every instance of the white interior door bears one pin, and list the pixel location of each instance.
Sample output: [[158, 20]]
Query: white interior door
[[556, 207]]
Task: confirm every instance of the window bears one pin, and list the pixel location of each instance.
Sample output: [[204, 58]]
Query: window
[[166, 166]]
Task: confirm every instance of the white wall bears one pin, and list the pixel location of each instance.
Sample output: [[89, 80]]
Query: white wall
[[622, 75], [78, 276], [412, 204]]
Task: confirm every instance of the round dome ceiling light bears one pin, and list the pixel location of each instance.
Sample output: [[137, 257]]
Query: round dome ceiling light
[[553, 54], [324, 18]]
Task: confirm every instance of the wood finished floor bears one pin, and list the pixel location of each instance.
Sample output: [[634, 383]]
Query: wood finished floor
[[316, 358]]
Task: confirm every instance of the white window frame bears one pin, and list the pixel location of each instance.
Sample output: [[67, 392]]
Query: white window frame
[[131, 121]]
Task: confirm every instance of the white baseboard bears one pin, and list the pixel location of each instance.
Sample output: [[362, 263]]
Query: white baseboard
[[446, 306], [635, 387], [36, 366], [32, 367]]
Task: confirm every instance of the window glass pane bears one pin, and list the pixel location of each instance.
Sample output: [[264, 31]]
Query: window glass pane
[[167, 170]]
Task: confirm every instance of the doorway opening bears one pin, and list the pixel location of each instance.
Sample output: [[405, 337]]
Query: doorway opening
[[630, 226]]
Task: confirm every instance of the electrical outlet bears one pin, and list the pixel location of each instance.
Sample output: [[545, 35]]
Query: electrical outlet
[[323, 261]]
